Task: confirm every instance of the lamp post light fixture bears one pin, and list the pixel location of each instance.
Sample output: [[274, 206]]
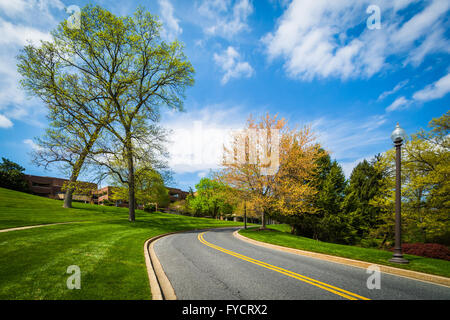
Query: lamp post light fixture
[[398, 136]]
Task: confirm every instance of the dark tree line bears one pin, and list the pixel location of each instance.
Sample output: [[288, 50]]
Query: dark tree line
[[11, 176]]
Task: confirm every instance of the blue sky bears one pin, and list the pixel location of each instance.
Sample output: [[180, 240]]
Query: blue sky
[[317, 63]]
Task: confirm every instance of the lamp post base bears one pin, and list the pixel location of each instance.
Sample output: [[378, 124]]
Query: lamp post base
[[399, 260]]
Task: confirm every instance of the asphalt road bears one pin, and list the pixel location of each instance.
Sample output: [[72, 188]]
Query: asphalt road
[[216, 266]]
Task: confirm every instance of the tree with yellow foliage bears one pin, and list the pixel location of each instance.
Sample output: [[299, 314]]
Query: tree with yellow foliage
[[273, 165]]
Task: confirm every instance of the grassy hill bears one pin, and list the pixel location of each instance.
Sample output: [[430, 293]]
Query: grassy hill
[[107, 248]]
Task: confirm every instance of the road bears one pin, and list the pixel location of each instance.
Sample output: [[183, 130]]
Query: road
[[214, 265]]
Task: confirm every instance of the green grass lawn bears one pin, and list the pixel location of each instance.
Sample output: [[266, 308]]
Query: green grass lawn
[[280, 236], [107, 248]]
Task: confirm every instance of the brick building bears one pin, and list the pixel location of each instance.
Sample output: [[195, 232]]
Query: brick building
[[50, 187], [177, 194], [103, 196]]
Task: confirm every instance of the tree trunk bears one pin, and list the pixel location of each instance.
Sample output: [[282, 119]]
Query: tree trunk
[[384, 240], [68, 198], [78, 165], [131, 197], [73, 179], [263, 220]]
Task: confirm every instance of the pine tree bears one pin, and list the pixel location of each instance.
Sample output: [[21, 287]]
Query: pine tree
[[334, 223], [364, 186]]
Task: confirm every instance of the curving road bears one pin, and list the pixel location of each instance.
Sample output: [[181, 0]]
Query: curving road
[[214, 265]]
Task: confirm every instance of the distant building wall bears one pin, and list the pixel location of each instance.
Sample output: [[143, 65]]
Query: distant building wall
[[103, 194], [177, 194], [52, 188]]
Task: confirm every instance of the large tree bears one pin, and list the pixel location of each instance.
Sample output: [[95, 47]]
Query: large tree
[[212, 198], [334, 223], [150, 188], [364, 186], [67, 142], [273, 166], [149, 160], [427, 157], [294, 190], [329, 223], [127, 69], [246, 160], [78, 110], [425, 186]]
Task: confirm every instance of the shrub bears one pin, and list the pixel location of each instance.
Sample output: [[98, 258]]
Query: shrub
[[369, 243], [430, 250], [150, 207], [108, 203], [179, 207]]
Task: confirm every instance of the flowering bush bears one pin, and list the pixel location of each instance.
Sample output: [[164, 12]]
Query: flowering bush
[[430, 250]]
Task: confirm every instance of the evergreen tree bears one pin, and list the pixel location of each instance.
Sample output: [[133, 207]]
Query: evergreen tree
[[364, 186], [328, 223], [334, 224], [331, 190], [310, 225]]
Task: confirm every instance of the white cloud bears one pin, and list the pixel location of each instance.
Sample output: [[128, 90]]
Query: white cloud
[[198, 137], [32, 144], [5, 122], [374, 122], [223, 18], [230, 63], [317, 38], [435, 90], [434, 42], [171, 28], [12, 7], [400, 102], [396, 88], [419, 25], [202, 174], [20, 22], [19, 34], [432, 91], [348, 140], [38, 10]]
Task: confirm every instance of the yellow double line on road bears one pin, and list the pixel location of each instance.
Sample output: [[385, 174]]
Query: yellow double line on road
[[340, 292]]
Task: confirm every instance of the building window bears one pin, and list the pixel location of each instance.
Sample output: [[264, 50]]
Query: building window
[[36, 184]]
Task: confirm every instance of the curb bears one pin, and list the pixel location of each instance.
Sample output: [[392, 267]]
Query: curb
[[350, 262], [160, 285]]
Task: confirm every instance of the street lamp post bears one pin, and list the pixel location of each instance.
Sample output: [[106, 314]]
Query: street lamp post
[[245, 215], [398, 136]]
